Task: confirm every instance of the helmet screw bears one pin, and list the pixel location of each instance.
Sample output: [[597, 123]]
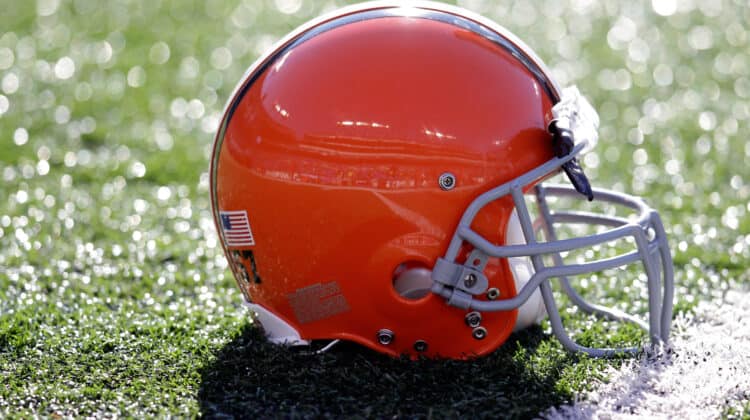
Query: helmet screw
[[493, 293], [470, 280], [385, 337], [479, 333], [447, 181], [473, 319], [420, 346]]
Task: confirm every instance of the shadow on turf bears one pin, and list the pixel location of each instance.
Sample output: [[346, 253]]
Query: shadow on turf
[[252, 379]]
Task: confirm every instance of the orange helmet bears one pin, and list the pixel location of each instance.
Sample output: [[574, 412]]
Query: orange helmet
[[368, 182]]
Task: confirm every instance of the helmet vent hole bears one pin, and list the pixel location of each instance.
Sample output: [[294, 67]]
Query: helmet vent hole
[[412, 280]]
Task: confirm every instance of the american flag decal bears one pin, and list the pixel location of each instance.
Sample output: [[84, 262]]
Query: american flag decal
[[236, 228]]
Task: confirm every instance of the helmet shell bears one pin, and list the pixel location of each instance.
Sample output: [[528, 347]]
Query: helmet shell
[[334, 144]]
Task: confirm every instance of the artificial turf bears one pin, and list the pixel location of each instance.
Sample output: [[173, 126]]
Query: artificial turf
[[115, 299]]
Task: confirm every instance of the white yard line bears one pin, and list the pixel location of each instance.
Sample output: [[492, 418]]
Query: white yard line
[[707, 370]]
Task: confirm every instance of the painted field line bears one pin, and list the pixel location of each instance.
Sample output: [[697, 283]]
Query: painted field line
[[706, 370]]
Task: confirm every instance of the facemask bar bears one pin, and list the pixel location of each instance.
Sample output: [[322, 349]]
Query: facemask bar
[[657, 260], [459, 282]]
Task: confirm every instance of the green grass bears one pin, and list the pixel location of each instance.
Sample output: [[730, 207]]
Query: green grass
[[115, 299]]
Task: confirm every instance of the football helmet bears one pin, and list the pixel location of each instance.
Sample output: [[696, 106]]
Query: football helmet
[[370, 179]]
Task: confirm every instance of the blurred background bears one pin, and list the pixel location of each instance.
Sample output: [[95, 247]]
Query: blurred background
[[107, 115]]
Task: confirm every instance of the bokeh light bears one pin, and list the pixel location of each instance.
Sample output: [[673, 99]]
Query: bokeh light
[[108, 110]]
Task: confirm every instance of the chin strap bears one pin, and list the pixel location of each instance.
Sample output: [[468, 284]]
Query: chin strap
[[562, 143], [574, 121]]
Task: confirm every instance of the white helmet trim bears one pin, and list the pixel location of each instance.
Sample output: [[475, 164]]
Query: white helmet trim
[[276, 329]]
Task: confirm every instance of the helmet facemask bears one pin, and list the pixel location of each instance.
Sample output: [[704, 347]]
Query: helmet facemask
[[459, 283]]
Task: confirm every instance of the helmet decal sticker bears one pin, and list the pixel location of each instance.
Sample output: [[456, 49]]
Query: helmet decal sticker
[[318, 301], [241, 259], [235, 227]]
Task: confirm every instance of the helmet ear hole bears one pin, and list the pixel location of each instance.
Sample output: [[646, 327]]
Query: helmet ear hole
[[412, 280]]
